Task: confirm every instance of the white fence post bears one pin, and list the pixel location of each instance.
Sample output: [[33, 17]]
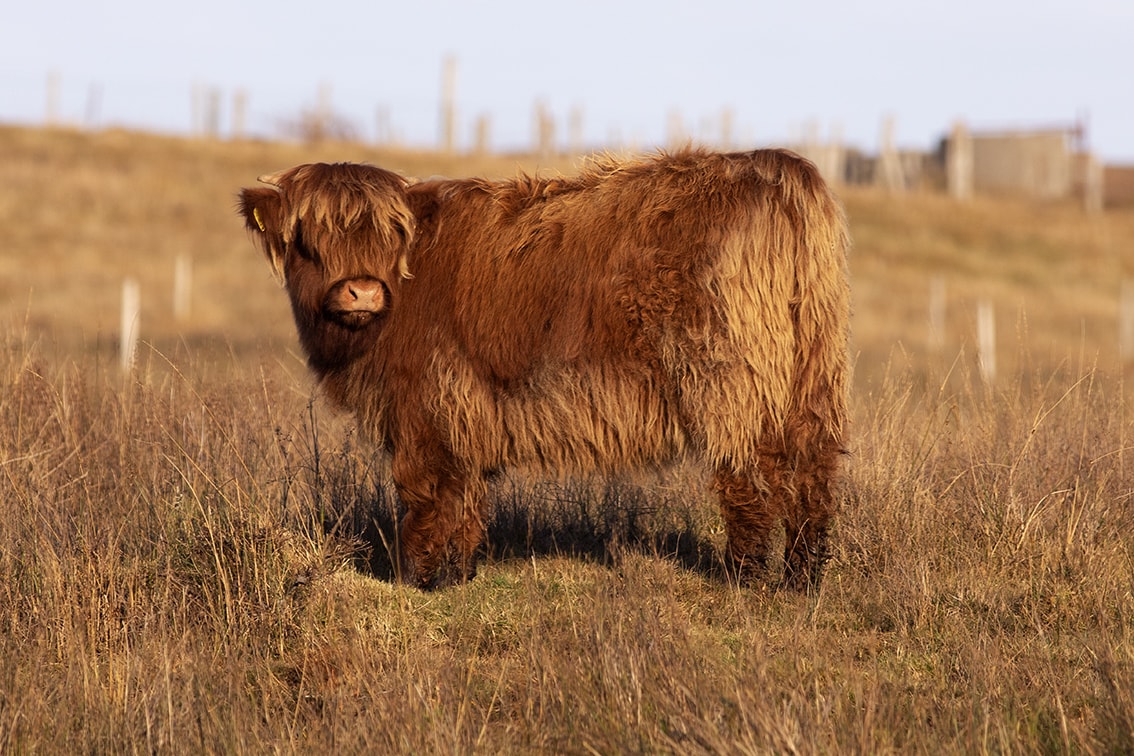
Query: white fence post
[[482, 135], [575, 130], [131, 322], [182, 286], [959, 162], [448, 104], [239, 115], [544, 124], [889, 172], [54, 87], [986, 340]]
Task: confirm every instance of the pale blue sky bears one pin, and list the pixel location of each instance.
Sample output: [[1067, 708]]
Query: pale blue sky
[[778, 66]]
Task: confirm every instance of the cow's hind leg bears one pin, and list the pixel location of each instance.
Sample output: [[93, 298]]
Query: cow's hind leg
[[809, 515], [749, 513], [442, 527]]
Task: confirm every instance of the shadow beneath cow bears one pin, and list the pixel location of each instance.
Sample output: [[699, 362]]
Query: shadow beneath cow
[[594, 522]]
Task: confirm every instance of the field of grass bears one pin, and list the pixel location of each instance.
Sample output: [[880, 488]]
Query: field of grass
[[193, 555]]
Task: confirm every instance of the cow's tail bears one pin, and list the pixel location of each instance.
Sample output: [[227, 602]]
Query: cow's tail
[[820, 306]]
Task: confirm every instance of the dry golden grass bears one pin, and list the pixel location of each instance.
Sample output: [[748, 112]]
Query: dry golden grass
[[192, 555]]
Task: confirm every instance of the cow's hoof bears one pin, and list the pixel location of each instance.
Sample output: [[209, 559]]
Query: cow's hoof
[[746, 570]]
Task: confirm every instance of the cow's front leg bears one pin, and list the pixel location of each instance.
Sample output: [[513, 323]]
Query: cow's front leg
[[442, 527], [470, 533]]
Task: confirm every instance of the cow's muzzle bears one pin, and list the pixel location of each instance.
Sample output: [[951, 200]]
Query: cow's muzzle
[[356, 302]]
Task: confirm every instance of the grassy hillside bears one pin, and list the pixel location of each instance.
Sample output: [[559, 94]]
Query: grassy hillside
[[194, 560], [81, 212]]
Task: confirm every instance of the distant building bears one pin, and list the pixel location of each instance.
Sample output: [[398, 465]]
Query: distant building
[[1040, 163], [1037, 163]]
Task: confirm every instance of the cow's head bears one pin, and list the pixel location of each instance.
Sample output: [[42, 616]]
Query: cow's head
[[337, 237]]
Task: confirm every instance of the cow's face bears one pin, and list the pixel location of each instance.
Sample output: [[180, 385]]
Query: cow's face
[[337, 237]]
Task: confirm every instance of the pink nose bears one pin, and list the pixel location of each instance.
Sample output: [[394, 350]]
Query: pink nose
[[353, 297], [364, 295]]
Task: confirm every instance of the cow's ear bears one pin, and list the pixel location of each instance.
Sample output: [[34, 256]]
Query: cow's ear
[[263, 216]]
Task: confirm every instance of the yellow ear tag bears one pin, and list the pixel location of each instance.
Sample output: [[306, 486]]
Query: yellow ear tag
[[259, 221]]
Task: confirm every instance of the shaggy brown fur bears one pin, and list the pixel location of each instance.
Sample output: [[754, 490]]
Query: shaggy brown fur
[[693, 304]]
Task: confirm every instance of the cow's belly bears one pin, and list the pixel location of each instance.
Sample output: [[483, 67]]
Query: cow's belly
[[595, 418]]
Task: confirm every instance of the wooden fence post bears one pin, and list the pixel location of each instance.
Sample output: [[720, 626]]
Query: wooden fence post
[[575, 130], [54, 87], [544, 130], [889, 174], [986, 340], [448, 104], [212, 113], [382, 131], [482, 137], [131, 323], [94, 106], [959, 163], [182, 286], [239, 115]]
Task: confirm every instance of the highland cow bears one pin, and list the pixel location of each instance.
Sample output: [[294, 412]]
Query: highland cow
[[686, 306]]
